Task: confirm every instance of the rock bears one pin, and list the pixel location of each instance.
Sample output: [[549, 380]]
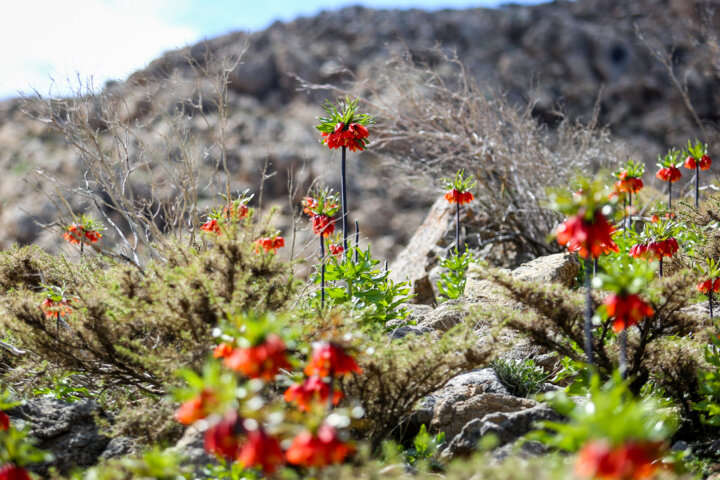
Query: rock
[[481, 290], [120, 447], [506, 427], [413, 262], [559, 268], [520, 449], [444, 317], [416, 311], [192, 447], [66, 430], [405, 330]]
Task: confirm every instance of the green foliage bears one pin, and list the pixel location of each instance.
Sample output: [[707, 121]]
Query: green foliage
[[632, 169], [611, 413], [586, 198], [155, 464], [344, 114], [624, 276], [424, 447], [696, 151], [670, 159], [710, 387], [365, 286], [522, 378], [459, 183], [452, 282], [64, 389]]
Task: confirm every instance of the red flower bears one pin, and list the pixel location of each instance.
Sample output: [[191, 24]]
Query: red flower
[[222, 350], [628, 310], [313, 389], [76, 234], [4, 421], [335, 249], [456, 195], [262, 361], [236, 212], [269, 244], [261, 450], [628, 184], [13, 472], [353, 137], [323, 448], [655, 250], [667, 247], [211, 226], [323, 225], [589, 239], [51, 308], [704, 286], [669, 174], [309, 205], [631, 461], [705, 162], [329, 359], [199, 407], [223, 438]]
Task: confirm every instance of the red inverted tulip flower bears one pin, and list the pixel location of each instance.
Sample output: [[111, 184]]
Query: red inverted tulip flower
[[262, 361], [236, 211], [704, 162], [13, 472], [269, 244], [78, 234], [197, 408], [456, 196], [329, 359], [323, 225], [628, 310], [351, 136], [261, 451], [335, 249], [590, 239], [223, 439], [309, 205], [317, 450], [223, 350], [631, 461], [628, 184], [706, 285], [669, 174], [52, 308], [313, 389], [211, 226], [4, 421]]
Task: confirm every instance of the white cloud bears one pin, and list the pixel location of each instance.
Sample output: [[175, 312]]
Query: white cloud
[[102, 39]]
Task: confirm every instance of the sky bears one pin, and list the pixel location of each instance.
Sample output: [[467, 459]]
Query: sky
[[48, 45]]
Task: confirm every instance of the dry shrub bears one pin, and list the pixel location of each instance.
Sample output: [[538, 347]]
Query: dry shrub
[[552, 316], [130, 329], [401, 373], [435, 120]]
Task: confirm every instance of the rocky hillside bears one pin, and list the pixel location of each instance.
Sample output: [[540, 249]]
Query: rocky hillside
[[563, 55]]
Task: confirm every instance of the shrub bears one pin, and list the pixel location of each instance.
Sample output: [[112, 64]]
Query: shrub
[[522, 378]]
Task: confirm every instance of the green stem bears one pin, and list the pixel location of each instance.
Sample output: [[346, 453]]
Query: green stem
[[588, 313], [322, 272], [343, 194]]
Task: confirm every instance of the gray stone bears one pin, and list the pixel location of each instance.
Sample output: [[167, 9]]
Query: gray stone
[[120, 447], [192, 447], [405, 330], [66, 430], [443, 318], [559, 268]]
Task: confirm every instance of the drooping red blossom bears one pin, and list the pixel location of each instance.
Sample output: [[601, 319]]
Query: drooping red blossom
[[329, 359], [655, 250], [261, 451], [262, 361], [269, 244], [13, 472], [353, 136], [224, 438], [627, 310], [706, 285], [4, 421], [309, 205], [223, 350], [197, 408], [456, 196], [631, 461], [211, 226], [690, 162], [628, 184], [669, 174], [51, 308], [76, 234], [323, 225], [335, 249], [589, 239], [705, 162], [313, 389], [318, 450], [236, 211]]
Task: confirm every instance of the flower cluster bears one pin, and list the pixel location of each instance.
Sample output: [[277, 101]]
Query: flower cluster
[[655, 250], [696, 156], [459, 188], [668, 167], [313, 389], [318, 449], [629, 177], [589, 238], [269, 244], [708, 284], [629, 461], [627, 309], [263, 361], [234, 211], [84, 231], [456, 196], [13, 472], [197, 408], [344, 127]]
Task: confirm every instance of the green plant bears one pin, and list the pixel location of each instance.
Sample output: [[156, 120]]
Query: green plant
[[424, 447], [64, 389], [522, 378], [366, 287], [452, 282], [155, 464], [709, 380]]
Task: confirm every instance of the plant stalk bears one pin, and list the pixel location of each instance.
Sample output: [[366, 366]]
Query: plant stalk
[[322, 271], [588, 313], [669, 194], [623, 353], [343, 195], [457, 227], [660, 269], [357, 239], [697, 184]]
